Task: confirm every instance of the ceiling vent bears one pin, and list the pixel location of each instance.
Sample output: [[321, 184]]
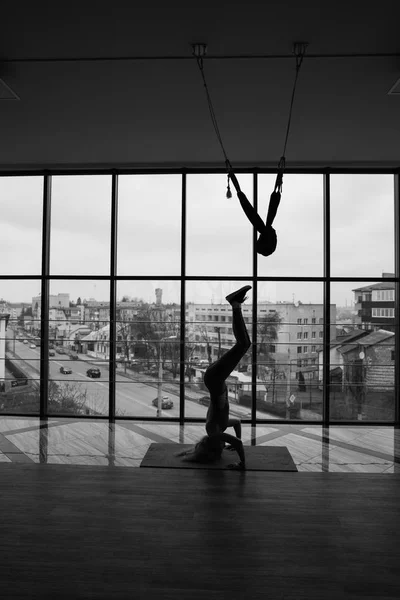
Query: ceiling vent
[[6, 93], [395, 89]]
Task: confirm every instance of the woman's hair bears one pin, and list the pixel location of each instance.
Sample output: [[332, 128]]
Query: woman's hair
[[207, 450]]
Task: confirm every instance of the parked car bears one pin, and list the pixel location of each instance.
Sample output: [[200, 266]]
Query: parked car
[[52, 353], [205, 400], [25, 341], [33, 346], [65, 370], [93, 372], [166, 403], [19, 381]]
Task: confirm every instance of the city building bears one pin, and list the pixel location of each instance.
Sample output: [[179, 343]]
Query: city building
[[288, 334], [374, 353], [338, 348], [4, 320], [55, 301], [375, 304]]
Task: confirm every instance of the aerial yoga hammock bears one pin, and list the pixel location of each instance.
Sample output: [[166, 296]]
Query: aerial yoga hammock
[[267, 240]]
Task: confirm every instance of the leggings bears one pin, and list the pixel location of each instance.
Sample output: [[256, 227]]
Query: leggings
[[217, 372], [267, 241]]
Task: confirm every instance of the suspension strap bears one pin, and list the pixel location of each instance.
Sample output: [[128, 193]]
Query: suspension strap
[[199, 51], [279, 177], [299, 50]]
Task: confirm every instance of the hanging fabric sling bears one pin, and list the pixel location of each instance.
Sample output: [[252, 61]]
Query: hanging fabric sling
[[267, 241]]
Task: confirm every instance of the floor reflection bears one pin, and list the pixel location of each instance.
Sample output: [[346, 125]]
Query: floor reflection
[[124, 443]]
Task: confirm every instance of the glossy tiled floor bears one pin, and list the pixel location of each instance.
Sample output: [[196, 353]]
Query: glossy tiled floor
[[87, 442]]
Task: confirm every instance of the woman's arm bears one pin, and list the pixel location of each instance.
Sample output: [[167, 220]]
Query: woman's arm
[[184, 452], [237, 444]]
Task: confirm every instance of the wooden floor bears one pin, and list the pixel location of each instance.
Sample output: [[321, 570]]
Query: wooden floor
[[71, 531]]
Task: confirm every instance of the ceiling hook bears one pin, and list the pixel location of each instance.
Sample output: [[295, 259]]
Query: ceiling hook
[[299, 48], [199, 50]]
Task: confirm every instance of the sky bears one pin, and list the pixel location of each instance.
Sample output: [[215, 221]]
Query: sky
[[219, 236]]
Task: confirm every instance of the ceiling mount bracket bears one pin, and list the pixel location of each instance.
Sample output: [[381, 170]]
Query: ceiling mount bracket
[[299, 48], [199, 50]]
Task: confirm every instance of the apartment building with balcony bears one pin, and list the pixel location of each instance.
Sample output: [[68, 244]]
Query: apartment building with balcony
[[375, 304]]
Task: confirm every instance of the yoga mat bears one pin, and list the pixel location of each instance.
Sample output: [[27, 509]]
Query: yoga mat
[[258, 458]]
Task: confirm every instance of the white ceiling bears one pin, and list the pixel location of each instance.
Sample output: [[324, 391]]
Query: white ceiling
[[154, 111]]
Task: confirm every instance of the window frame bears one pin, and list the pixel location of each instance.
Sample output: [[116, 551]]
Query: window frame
[[326, 280]]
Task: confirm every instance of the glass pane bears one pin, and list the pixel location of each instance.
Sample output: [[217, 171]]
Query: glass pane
[[149, 224], [298, 225], [209, 335], [78, 325], [290, 349], [80, 225], [219, 236], [148, 348], [362, 225], [21, 231], [19, 347], [362, 359]]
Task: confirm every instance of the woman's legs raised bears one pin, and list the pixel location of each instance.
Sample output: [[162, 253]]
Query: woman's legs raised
[[217, 373]]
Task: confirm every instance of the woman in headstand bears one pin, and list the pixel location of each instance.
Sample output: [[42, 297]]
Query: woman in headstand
[[210, 447]]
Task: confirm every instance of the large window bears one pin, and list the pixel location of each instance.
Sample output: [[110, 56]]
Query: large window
[[80, 225], [149, 224], [298, 224], [147, 348], [113, 296], [218, 235], [21, 201], [362, 225]]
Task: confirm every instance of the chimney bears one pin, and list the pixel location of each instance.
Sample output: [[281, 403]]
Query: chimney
[[158, 296]]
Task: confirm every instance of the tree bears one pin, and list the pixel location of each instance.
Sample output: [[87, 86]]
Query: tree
[[151, 329], [267, 333], [79, 301], [204, 336], [142, 332], [124, 337], [302, 383], [67, 397], [25, 312], [218, 332], [166, 328]]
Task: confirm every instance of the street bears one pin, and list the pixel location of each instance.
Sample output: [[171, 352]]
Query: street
[[133, 398], [133, 395]]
